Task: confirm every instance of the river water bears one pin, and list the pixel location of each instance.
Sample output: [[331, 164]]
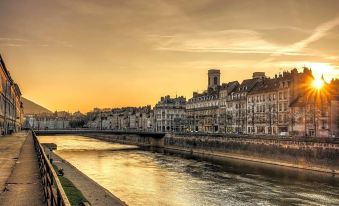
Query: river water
[[146, 178]]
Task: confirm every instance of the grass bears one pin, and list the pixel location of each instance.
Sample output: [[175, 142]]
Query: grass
[[74, 195]]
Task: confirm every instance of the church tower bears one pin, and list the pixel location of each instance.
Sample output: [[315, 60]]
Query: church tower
[[213, 78]]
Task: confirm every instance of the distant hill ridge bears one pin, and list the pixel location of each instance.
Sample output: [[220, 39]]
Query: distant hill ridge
[[31, 107]]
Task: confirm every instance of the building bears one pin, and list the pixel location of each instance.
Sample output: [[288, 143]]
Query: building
[[11, 109], [202, 110], [46, 121], [267, 106], [313, 112], [237, 104], [169, 114], [225, 114], [126, 118]]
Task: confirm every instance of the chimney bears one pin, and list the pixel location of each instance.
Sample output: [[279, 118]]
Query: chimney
[[258, 75]]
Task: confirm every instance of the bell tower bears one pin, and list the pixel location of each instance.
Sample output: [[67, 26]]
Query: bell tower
[[213, 78]]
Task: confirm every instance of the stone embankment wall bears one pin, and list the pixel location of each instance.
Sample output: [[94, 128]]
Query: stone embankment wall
[[300, 151], [319, 154]]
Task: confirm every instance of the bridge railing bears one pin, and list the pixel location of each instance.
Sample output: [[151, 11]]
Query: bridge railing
[[53, 191]]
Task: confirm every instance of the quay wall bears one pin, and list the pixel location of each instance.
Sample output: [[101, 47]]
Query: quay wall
[[304, 153]]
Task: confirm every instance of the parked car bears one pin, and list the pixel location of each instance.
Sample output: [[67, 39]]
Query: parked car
[[283, 134]]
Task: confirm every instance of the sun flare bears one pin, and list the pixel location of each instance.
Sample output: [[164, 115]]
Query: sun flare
[[322, 70], [318, 84]]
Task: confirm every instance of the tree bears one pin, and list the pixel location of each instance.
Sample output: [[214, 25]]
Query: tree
[[78, 123]]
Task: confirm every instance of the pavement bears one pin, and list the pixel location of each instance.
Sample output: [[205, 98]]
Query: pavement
[[20, 181]]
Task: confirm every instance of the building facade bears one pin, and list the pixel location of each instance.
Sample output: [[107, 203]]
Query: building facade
[[236, 104], [313, 112], [202, 110], [225, 112], [267, 106], [11, 109], [126, 118], [169, 114]]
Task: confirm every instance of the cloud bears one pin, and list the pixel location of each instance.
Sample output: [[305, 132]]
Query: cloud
[[317, 34], [12, 39], [241, 41], [229, 41], [13, 45], [17, 42]]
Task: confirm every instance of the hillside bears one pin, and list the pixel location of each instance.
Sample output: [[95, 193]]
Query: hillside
[[33, 108]]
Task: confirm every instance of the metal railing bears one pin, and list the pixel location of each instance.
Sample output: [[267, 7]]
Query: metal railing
[[53, 191]]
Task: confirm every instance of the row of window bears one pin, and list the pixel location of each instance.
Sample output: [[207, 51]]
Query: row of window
[[202, 104]]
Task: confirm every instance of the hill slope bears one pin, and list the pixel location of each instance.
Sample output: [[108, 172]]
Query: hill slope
[[33, 108]]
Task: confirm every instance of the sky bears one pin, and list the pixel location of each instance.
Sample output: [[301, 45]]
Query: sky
[[80, 54]]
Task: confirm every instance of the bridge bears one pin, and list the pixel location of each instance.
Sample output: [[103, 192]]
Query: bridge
[[140, 138], [88, 131]]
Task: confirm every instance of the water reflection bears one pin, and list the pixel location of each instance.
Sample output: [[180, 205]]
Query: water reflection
[[145, 178]]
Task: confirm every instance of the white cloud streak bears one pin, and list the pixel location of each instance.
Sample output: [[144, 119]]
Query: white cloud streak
[[240, 41], [17, 42], [229, 41], [317, 34]]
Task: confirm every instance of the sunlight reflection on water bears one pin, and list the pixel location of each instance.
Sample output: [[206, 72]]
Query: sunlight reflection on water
[[145, 178]]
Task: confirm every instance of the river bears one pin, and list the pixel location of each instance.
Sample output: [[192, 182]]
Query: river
[[143, 178]]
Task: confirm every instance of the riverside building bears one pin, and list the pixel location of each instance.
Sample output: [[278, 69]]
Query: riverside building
[[202, 110], [169, 114], [267, 106], [237, 104], [225, 111], [313, 112], [126, 118], [11, 109]]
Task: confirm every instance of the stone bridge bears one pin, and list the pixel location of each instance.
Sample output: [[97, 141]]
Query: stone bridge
[[141, 138]]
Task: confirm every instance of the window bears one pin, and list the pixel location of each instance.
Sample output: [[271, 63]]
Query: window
[[215, 80]]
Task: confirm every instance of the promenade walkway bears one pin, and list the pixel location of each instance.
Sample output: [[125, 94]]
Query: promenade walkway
[[20, 181]]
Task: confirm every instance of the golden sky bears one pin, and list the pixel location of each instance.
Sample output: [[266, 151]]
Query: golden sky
[[80, 54]]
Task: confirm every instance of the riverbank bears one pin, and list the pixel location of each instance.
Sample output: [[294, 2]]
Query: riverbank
[[290, 153], [222, 156], [93, 192]]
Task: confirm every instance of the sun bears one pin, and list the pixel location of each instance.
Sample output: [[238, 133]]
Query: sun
[[318, 83]]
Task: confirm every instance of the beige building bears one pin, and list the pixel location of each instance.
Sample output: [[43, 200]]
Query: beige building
[[126, 118], [202, 110], [237, 104], [56, 120], [268, 106], [169, 114], [225, 107]]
